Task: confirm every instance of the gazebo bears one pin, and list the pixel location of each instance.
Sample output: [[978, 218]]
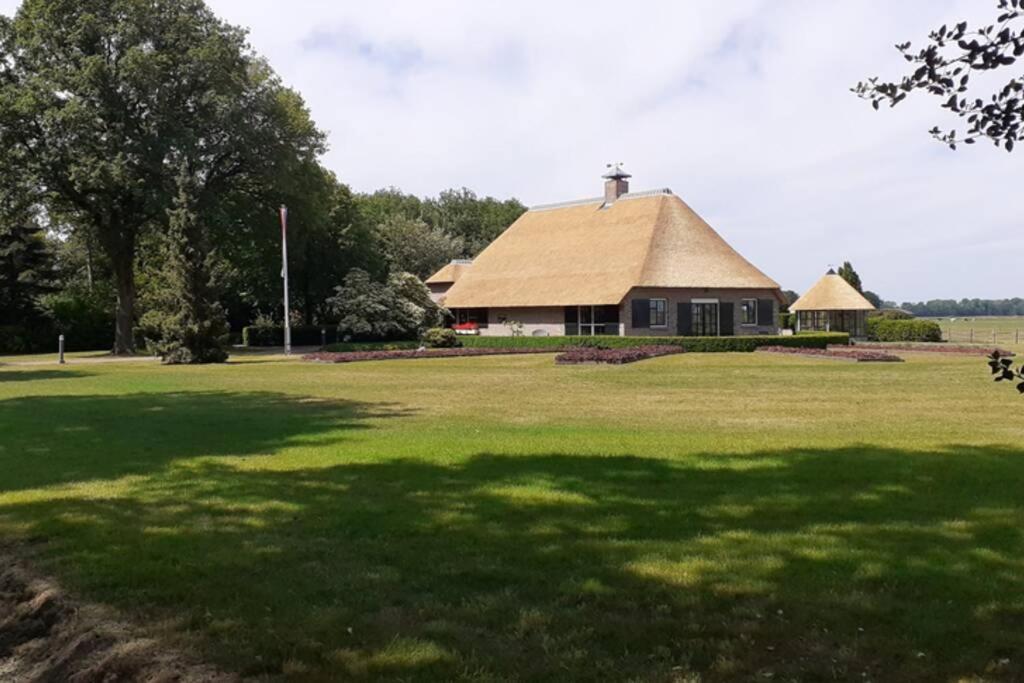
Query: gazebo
[[832, 305]]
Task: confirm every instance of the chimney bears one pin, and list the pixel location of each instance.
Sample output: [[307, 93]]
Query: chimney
[[616, 183]]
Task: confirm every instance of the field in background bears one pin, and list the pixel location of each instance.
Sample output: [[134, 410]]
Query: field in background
[[1003, 330], [711, 516]]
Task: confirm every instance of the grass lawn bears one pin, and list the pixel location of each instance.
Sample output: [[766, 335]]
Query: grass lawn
[[727, 516], [1007, 329]]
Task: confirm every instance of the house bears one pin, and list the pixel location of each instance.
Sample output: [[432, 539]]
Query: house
[[832, 305], [626, 263]]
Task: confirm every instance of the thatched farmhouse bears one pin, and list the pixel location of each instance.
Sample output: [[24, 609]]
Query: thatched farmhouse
[[626, 263], [832, 305]]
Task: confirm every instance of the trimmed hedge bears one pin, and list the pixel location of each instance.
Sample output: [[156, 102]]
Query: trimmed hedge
[[881, 329], [346, 347], [691, 344], [302, 335], [811, 340]]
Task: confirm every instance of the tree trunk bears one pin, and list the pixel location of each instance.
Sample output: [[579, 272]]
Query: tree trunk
[[124, 277]]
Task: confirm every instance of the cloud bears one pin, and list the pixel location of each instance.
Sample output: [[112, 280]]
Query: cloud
[[743, 108]]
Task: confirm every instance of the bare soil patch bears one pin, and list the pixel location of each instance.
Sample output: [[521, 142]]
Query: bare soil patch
[[46, 635]]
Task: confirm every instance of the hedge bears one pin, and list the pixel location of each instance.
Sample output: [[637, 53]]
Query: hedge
[[302, 335], [881, 329], [691, 344], [811, 340], [42, 338], [346, 347]]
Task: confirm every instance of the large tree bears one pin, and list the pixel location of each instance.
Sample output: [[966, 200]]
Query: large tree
[[944, 67], [103, 101], [410, 245], [188, 321]]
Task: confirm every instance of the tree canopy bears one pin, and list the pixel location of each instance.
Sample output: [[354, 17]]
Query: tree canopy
[[945, 68], [847, 272], [147, 148], [101, 101]]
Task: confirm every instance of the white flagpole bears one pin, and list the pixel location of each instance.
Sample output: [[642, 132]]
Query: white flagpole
[[284, 276]]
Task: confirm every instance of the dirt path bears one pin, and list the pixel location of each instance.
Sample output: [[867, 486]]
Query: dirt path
[[45, 635], [85, 361], [236, 354]]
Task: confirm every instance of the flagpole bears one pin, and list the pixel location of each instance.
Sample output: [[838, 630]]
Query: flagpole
[[284, 276]]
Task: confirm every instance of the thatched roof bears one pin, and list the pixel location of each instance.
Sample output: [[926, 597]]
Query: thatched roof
[[588, 253], [450, 273], [832, 293]]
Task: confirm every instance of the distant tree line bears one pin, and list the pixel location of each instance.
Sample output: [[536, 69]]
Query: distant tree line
[[146, 150], [965, 307]]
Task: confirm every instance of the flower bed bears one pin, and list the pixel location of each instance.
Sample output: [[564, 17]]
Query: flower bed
[[961, 349], [578, 355], [838, 353], [356, 356]]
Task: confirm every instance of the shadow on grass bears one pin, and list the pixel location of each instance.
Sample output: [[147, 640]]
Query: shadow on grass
[[51, 440], [20, 375], [848, 563]]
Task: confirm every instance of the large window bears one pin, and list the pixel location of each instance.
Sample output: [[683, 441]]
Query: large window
[[592, 320], [659, 313], [748, 312], [471, 315]]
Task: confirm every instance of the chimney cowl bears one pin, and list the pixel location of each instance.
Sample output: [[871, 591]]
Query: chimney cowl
[[616, 183]]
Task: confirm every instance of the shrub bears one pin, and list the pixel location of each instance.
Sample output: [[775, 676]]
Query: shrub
[[838, 352], [400, 308], [584, 354], [881, 329], [931, 347], [441, 338], [24, 338], [86, 320], [892, 314]]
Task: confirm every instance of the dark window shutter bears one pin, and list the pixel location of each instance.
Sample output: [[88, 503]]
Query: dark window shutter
[[766, 312], [684, 319], [572, 320], [726, 319], [641, 313]]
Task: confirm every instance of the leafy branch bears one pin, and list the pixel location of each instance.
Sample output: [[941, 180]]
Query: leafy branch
[[1003, 370], [944, 68]]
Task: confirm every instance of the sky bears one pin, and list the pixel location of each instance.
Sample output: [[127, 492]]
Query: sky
[[741, 107]]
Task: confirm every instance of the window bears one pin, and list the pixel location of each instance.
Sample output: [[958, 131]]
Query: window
[[592, 320], [471, 315], [659, 313], [749, 312]]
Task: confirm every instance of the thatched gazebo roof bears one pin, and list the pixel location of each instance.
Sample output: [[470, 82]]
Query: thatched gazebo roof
[[832, 293]]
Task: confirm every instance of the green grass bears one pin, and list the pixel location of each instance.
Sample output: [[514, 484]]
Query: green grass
[[722, 516]]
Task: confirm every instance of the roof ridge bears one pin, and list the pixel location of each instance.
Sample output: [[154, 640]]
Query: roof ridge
[[571, 202], [647, 193], [595, 200], [655, 232]]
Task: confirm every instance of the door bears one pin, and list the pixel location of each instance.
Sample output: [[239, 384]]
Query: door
[[705, 319]]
